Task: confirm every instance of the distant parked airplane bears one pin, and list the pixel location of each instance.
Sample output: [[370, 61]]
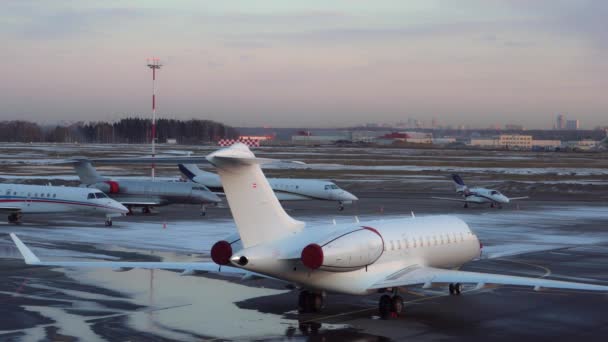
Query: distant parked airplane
[[286, 189], [478, 195], [19, 199], [378, 257], [145, 193]]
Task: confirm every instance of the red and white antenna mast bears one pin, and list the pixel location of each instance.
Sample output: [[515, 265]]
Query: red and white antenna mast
[[154, 64]]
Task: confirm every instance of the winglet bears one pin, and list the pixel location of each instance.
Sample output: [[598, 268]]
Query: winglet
[[29, 257]]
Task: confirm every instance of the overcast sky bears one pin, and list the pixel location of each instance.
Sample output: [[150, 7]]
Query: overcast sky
[[307, 63]]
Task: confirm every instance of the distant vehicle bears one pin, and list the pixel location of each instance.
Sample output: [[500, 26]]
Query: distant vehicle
[[145, 193], [19, 199], [378, 257], [478, 195], [286, 189]]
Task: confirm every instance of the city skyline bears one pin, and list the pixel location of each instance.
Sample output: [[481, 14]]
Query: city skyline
[[313, 64]]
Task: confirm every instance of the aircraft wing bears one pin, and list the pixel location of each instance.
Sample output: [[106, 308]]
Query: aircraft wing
[[186, 267], [452, 199], [149, 159], [10, 209], [141, 203], [517, 198], [415, 275]]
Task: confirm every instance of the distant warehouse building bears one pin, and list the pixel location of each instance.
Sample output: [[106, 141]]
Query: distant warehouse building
[[515, 141], [405, 137]]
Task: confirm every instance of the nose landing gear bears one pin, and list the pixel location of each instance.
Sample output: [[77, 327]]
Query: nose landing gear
[[310, 302], [108, 221], [455, 289]]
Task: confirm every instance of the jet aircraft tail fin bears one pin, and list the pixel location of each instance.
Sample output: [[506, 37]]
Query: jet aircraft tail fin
[[258, 215], [193, 172], [459, 184], [87, 173]]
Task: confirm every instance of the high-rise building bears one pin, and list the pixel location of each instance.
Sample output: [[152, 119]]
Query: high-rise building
[[572, 124], [560, 123]]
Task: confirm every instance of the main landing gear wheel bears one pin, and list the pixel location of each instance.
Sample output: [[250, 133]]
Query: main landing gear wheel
[[310, 302], [108, 223], [466, 205], [455, 289], [341, 207], [14, 218], [146, 210], [397, 305], [203, 210], [130, 210], [384, 306]]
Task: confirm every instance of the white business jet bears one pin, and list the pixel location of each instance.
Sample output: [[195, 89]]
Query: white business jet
[[478, 195], [358, 259], [286, 189], [19, 199]]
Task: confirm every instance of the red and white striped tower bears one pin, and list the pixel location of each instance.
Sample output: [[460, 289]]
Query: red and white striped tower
[[154, 64]]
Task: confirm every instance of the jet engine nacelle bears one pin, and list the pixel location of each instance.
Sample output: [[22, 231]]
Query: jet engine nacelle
[[347, 251], [109, 187]]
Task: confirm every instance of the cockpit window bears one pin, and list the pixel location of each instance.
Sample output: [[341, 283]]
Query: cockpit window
[[331, 187], [201, 188], [91, 195], [100, 195], [494, 192], [334, 186]]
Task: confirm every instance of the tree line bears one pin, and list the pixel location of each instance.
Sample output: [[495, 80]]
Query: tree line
[[128, 130]]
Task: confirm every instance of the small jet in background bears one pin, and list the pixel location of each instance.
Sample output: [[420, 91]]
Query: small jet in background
[[478, 195], [145, 193], [286, 189], [19, 199]]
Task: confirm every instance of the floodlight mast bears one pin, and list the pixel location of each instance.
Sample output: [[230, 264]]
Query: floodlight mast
[[154, 64]]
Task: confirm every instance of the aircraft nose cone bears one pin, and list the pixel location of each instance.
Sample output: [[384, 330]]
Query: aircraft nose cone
[[347, 196], [120, 208]]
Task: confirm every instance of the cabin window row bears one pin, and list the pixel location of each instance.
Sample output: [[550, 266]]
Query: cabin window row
[[427, 241], [29, 194]]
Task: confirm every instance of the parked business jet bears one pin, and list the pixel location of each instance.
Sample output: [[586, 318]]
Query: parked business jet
[[19, 199], [286, 189], [145, 193], [359, 259], [478, 195]]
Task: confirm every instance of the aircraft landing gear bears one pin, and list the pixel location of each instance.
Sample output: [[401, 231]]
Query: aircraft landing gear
[[492, 205], [455, 289], [130, 213], [146, 210], [14, 218], [341, 206], [310, 302], [108, 221], [466, 205], [390, 307], [203, 210]]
